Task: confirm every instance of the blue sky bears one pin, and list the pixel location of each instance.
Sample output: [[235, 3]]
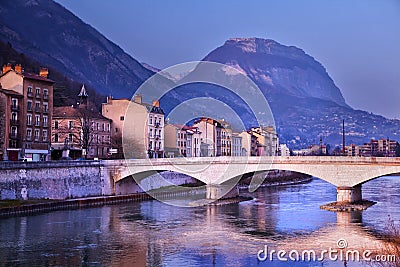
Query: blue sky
[[358, 41]]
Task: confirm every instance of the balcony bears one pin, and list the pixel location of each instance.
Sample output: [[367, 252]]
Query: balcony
[[37, 109], [14, 122], [46, 110], [29, 109], [30, 94], [28, 138], [38, 95], [157, 124], [14, 108], [45, 96]]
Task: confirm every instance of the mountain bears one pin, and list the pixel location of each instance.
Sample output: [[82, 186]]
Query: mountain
[[305, 102], [50, 34]]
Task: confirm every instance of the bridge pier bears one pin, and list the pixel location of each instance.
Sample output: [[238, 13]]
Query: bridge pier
[[349, 194], [216, 191]]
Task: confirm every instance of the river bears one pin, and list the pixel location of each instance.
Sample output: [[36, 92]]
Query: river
[[151, 233]]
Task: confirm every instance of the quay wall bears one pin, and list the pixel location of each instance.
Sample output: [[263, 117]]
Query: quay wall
[[53, 180]]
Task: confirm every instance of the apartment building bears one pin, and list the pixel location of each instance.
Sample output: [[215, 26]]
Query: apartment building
[[26, 111], [142, 133]]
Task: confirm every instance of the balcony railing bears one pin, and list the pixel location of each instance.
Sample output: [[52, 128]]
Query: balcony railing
[[29, 109], [45, 96], [45, 110], [38, 109], [30, 94], [14, 108], [14, 122], [38, 95], [28, 138]]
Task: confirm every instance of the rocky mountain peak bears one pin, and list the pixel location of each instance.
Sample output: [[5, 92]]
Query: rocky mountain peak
[[278, 69]]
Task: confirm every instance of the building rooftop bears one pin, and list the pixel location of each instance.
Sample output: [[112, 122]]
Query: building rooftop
[[11, 92]]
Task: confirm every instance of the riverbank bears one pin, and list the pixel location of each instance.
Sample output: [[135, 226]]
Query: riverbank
[[29, 207], [10, 208]]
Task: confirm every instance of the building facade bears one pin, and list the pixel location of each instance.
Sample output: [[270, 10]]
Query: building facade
[[143, 132], [115, 110], [27, 101], [80, 132], [237, 145]]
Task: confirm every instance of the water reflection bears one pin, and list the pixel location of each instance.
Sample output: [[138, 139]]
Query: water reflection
[[154, 234]]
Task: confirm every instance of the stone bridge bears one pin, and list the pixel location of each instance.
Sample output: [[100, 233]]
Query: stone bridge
[[346, 173], [74, 179]]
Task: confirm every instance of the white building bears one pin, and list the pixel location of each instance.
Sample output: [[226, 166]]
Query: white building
[[284, 150]]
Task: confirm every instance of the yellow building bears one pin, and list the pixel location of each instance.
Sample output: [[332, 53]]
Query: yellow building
[[137, 127]]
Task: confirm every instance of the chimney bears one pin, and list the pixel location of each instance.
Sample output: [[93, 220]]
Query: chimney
[[18, 68], [6, 68], [44, 72], [137, 99], [156, 103]]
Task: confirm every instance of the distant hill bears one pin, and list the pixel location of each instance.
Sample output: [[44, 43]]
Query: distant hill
[[305, 102], [65, 88], [50, 34]]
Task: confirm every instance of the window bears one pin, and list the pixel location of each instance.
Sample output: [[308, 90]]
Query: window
[[45, 107], [151, 133], [37, 91], [55, 124], [13, 131], [14, 117], [97, 126], [56, 138], [37, 120], [71, 137], [108, 127], [36, 135], [151, 120], [37, 106], [29, 90], [28, 134], [159, 145], [45, 121], [29, 107], [103, 127], [71, 124], [14, 103], [150, 145], [45, 93], [102, 139], [29, 119], [116, 130], [121, 118], [44, 135]]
